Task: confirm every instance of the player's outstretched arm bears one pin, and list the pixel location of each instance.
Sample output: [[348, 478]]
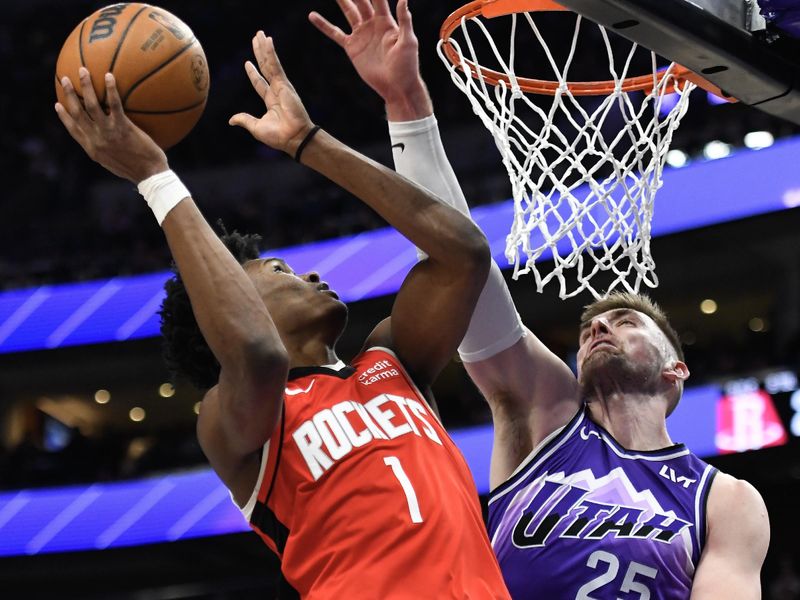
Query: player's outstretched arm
[[231, 315], [530, 390], [434, 304], [737, 538], [384, 52]]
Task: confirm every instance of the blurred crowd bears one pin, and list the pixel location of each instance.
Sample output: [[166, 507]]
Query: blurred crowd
[[65, 229], [68, 220], [60, 235]]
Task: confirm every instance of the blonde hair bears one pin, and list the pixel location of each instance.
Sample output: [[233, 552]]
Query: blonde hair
[[639, 303]]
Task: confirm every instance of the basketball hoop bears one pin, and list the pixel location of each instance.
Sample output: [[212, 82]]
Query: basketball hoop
[[582, 196]]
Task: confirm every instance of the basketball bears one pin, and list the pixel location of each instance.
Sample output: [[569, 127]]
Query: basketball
[[160, 67]]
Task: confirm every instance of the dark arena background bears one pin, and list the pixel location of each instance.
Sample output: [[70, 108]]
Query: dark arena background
[[104, 492]]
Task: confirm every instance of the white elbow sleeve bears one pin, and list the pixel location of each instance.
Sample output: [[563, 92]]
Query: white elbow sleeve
[[419, 155], [495, 325]]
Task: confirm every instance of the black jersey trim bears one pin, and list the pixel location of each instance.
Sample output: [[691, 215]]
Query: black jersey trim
[[342, 373], [277, 455], [285, 589], [667, 450], [268, 523], [701, 527]]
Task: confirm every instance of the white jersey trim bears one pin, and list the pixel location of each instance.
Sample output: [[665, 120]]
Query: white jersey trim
[[699, 496], [337, 366], [247, 509], [581, 416], [601, 435], [611, 443], [536, 450]]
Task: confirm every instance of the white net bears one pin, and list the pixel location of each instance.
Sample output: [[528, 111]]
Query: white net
[[584, 172]]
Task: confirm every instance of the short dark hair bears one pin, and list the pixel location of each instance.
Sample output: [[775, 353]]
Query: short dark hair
[[638, 302], [185, 351]]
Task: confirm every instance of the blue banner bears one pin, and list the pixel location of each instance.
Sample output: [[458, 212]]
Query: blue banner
[[374, 263]]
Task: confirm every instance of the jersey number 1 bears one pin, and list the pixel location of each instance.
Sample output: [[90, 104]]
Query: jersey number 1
[[405, 483]]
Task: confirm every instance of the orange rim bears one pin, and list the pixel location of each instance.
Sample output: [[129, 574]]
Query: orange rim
[[490, 9]]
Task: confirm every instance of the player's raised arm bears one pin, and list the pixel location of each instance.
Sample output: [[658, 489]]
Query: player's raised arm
[[436, 300], [529, 389], [231, 315]]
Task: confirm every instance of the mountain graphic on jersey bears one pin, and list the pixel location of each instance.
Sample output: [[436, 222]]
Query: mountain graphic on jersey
[[600, 521], [581, 506]]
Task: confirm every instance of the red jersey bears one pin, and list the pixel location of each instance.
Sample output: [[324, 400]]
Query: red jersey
[[363, 495]]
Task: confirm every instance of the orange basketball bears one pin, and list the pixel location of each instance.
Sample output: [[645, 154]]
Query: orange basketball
[[159, 65]]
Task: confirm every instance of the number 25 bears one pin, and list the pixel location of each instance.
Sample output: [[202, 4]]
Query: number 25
[[628, 583]]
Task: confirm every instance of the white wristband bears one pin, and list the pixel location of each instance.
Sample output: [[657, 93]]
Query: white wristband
[[163, 192]]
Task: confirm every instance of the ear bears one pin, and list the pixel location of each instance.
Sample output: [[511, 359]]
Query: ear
[[676, 372]]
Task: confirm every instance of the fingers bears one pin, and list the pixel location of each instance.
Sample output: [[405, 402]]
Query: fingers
[[259, 84], [72, 103], [382, 8], [327, 28], [112, 97], [245, 121], [268, 62], [350, 12], [70, 123], [89, 96], [404, 18], [365, 10]]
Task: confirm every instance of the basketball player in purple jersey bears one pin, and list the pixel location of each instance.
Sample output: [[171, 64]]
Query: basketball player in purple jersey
[[591, 498]]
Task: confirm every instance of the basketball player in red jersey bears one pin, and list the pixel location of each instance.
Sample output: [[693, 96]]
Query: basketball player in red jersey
[[600, 437], [344, 470]]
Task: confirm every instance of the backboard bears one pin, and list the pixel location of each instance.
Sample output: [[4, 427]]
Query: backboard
[[725, 41]]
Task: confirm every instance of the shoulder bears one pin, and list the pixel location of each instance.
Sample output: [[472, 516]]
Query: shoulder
[[381, 336], [735, 497], [737, 514], [736, 542]]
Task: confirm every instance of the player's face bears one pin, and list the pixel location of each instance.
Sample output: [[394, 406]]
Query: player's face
[[295, 300], [624, 349]]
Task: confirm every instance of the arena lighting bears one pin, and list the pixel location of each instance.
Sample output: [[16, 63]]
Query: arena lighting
[[716, 149], [72, 411], [708, 306], [102, 396], [728, 416], [677, 158], [757, 324], [126, 308], [757, 140], [165, 390], [196, 408], [794, 426], [194, 503], [137, 414]]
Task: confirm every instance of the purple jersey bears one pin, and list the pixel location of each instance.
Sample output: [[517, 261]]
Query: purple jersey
[[583, 518]]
